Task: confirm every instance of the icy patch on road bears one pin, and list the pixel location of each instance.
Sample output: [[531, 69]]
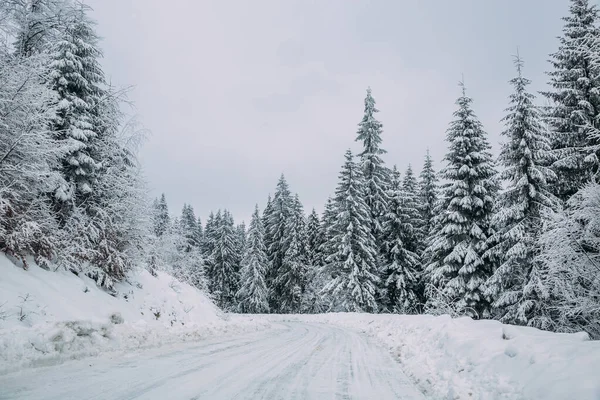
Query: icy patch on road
[[48, 317], [466, 359]]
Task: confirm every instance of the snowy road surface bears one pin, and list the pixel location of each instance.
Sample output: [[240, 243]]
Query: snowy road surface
[[300, 361]]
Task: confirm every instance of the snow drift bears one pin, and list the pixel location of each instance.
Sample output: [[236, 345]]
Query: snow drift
[[466, 359], [47, 317]]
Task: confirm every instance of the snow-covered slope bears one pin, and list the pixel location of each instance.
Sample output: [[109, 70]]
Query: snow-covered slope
[[466, 359], [46, 317]]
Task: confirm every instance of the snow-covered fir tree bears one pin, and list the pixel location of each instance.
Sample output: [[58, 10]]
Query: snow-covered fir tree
[[77, 77], [290, 280], [574, 116], [376, 175], [223, 266], [428, 189], [567, 276], [314, 239], [240, 232], [37, 23], [412, 205], [457, 268], [210, 238], [253, 295], [526, 157], [351, 271], [189, 227], [161, 218], [400, 273], [277, 227]]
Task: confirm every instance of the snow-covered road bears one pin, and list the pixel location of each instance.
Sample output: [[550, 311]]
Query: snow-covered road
[[299, 361]]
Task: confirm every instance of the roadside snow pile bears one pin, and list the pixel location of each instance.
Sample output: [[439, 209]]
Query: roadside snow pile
[[466, 359], [47, 317]]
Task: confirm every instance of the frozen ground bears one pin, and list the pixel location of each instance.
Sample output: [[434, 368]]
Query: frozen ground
[[50, 317], [299, 361]]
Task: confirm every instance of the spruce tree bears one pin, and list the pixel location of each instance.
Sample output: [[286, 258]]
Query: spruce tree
[[277, 229], [457, 266], [518, 222], [314, 237], [253, 295], [224, 262], [188, 227], [351, 271], [428, 189], [376, 175], [410, 187], [161, 219], [209, 236], [77, 77], [291, 277], [574, 117], [402, 265]]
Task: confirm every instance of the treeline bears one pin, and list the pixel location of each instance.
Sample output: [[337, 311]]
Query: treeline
[[513, 238]]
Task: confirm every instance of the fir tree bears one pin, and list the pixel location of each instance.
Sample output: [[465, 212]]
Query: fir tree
[[411, 203], [291, 277], [314, 239], [188, 227], [224, 262], [351, 270], [457, 266], [277, 228], [428, 193], [253, 295], [575, 115], [77, 77], [161, 219], [401, 270], [518, 222], [376, 175]]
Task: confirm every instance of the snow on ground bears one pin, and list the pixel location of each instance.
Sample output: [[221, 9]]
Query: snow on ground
[[47, 317], [466, 359]]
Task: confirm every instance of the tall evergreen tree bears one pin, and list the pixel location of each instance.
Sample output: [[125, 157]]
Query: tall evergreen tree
[[428, 187], [376, 175], [410, 187], [518, 221], [457, 266], [291, 277], [277, 229], [161, 219], [78, 79], [209, 236], [253, 295], [351, 270], [314, 237], [401, 270], [224, 263], [189, 227], [575, 114]]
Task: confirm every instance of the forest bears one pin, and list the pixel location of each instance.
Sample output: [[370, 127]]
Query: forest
[[515, 238]]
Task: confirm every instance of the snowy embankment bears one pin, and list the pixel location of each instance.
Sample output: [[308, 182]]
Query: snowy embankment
[[466, 359], [48, 317]]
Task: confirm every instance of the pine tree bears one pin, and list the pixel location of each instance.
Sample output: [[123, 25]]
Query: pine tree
[[199, 236], [277, 229], [189, 229], [224, 262], [401, 271], [209, 236], [518, 222], [412, 205], [161, 219], [77, 77], [376, 175], [351, 270], [291, 277], [457, 267], [428, 193], [575, 115], [240, 232], [314, 239], [253, 295]]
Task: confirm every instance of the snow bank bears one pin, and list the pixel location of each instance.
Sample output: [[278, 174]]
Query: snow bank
[[47, 317], [466, 359]]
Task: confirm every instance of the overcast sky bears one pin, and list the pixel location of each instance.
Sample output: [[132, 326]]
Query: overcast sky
[[237, 92]]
